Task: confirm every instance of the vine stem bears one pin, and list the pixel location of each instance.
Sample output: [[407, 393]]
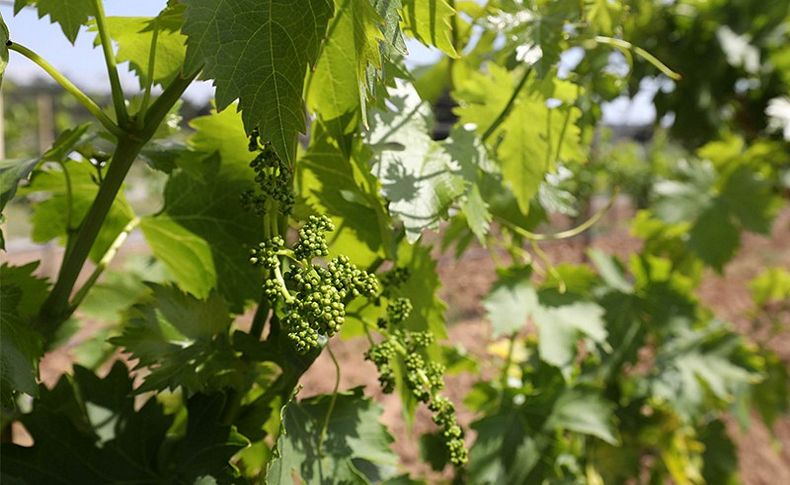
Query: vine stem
[[332, 402], [627, 47], [575, 231], [66, 84], [109, 58], [509, 106], [103, 263], [55, 309]]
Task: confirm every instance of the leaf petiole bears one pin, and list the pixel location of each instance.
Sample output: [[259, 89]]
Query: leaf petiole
[[64, 82]]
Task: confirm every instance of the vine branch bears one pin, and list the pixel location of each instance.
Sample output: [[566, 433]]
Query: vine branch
[[72, 89]]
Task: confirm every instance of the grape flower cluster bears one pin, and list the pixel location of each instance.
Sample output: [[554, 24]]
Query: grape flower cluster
[[312, 297], [273, 178], [423, 378]]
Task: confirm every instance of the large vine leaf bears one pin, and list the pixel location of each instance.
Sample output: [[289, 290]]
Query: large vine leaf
[[182, 340], [71, 14], [429, 22], [21, 294], [261, 60], [339, 83], [203, 234], [354, 449], [415, 171], [342, 187], [86, 430], [539, 130]]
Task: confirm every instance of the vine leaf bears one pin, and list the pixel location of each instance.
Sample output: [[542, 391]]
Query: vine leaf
[[133, 36], [261, 61], [356, 448], [533, 136], [339, 83], [51, 215], [48, 215], [21, 294], [415, 171], [4, 36], [695, 365], [429, 22], [511, 300], [583, 411], [503, 452], [71, 15], [182, 340], [203, 234], [342, 187], [86, 430], [559, 329]]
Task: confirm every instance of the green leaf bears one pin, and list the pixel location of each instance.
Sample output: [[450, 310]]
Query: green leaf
[[14, 171], [701, 369], [4, 37], [11, 173], [533, 137], [50, 216], [511, 301], [422, 288], [71, 14], [750, 200], [583, 411], [343, 188], [714, 237], [429, 21], [133, 36], [182, 340], [559, 328], [261, 61], [503, 452], [186, 255], [339, 84], [415, 171], [203, 235], [209, 443], [21, 295], [86, 430], [355, 449], [719, 458]]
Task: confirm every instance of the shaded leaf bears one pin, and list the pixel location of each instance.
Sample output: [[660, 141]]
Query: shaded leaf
[[355, 449]]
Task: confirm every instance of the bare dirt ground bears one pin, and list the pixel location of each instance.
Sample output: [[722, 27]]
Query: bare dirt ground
[[764, 456]]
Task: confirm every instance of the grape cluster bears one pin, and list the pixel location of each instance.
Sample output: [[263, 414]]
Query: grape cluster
[[273, 178], [424, 380], [312, 238], [313, 298], [393, 279], [399, 310]]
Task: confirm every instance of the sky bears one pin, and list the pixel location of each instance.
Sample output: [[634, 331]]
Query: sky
[[83, 63]]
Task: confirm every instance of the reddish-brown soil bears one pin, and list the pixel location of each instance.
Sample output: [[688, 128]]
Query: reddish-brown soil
[[764, 455]]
